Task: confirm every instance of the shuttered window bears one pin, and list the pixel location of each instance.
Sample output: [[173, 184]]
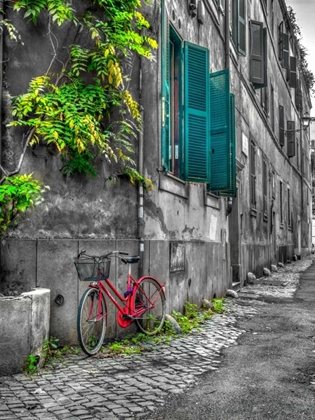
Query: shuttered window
[[281, 203], [239, 25], [272, 107], [223, 161], [265, 189], [298, 96], [291, 138], [281, 125], [284, 53], [197, 111], [258, 58], [292, 78], [289, 209], [197, 141], [252, 175]]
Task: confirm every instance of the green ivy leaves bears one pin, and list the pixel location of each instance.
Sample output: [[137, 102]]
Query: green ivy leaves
[[17, 194], [88, 112]]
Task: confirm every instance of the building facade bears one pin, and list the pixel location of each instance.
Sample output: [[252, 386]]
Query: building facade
[[222, 143]]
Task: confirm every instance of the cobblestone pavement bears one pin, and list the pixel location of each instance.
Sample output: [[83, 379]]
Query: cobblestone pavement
[[132, 387]]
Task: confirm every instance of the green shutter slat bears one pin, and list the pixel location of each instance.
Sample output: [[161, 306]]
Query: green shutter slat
[[220, 130], [242, 27], [281, 125], [257, 62], [291, 138], [165, 90], [197, 112]]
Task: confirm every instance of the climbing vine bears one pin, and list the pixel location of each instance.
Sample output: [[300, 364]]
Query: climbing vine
[[86, 110], [302, 62]]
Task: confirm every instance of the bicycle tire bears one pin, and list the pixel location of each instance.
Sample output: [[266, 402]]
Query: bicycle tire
[[148, 292], [91, 332]]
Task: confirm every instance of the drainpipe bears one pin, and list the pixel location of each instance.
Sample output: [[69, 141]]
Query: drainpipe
[[140, 169], [227, 34], [1, 81], [229, 202], [1, 78]]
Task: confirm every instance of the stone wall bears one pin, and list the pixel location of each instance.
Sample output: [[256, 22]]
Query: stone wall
[[24, 328]]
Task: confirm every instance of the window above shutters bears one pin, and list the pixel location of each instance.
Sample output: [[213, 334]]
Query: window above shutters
[[239, 25], [284, 49], [258, 58], [242, 27]]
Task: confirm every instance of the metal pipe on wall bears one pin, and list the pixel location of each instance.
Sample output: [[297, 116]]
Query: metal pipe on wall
[[227, 34], [140, 169], [1, 78]]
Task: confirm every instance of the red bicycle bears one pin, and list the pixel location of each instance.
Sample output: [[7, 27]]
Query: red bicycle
[[142, 302]]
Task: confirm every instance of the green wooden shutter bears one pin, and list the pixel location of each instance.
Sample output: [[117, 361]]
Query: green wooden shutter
[[281, 125], [242, 27], [165, 91], [291, 138], [220, 131], [197, 112], [257, 59]]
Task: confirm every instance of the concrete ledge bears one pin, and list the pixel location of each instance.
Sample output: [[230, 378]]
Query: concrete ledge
[[24, 327]]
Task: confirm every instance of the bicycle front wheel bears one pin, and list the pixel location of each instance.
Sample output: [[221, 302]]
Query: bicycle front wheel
[[149, 304], [91, 321]]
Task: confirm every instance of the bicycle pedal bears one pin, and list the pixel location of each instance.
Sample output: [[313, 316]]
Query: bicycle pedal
[[126, 316]]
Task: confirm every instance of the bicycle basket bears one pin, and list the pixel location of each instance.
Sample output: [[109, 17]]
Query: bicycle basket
[[89, 270]]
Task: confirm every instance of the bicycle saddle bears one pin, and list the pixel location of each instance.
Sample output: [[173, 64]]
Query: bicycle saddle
[[131, 260]]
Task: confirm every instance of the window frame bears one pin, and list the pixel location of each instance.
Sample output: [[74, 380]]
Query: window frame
[[239, 24], [258, 58], [185, 146]]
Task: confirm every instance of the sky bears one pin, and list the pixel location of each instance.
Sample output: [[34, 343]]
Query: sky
[[305, 19]]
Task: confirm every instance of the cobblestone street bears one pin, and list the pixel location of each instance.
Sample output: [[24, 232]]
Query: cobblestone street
[[132, 387]]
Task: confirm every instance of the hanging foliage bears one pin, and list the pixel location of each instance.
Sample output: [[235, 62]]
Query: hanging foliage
[[86, 111]]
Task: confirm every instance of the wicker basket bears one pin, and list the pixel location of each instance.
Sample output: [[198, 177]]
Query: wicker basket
[[89, 270]]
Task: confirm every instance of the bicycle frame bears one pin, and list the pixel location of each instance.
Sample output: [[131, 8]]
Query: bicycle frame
[[127, 313]]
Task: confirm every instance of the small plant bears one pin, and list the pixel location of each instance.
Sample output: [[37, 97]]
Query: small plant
[[50, 348], [31, 363], [218, 306]]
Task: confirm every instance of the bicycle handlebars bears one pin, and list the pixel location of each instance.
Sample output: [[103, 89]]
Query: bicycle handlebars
[[100, 257]]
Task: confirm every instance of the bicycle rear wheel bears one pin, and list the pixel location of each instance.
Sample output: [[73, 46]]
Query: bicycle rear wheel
[[91, 321], [149, 303]]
